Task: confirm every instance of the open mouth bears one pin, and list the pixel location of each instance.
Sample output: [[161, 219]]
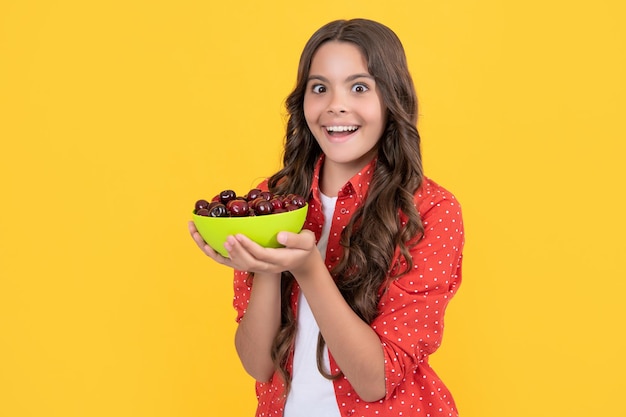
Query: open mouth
[[341, 130]]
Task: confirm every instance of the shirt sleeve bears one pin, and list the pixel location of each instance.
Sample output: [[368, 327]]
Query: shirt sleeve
[[410, 323], [242, 284]]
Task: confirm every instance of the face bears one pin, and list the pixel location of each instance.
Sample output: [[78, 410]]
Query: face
[[343, 108]]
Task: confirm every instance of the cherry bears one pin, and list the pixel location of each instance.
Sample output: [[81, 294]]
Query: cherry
[[277, 203], [253, 193], [201, 204], [255, 202], [218, 210], [286, 199], [227, 195], [263, 207], [202, 212], [238, 208], [296, 200]]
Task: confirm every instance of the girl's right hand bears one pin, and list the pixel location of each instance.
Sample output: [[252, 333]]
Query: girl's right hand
[[204, 247]]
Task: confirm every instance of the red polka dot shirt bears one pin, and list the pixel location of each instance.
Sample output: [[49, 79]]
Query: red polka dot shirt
[[411, 311]]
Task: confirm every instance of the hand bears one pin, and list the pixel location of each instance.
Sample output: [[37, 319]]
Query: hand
[[204, 247], [299, 251], [246, 255]]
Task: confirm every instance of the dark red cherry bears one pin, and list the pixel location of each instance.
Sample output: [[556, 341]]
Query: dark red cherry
[[202, 212], [218, 210], [286, 198], [298, 201], [256, 201], [238, 208], [263, 208], [267, 195], [253, 193], [227, 195], [201, 204], [277, 203]]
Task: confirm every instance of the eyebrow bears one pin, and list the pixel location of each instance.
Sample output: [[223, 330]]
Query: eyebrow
[[350, 78]]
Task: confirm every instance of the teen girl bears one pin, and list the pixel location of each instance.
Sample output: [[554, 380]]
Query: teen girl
[[342, 320]]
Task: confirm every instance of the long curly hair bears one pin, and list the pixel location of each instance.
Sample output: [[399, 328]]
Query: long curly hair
[[375, 231]]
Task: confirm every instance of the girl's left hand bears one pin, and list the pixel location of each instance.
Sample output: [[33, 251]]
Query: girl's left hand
[[245, 255]]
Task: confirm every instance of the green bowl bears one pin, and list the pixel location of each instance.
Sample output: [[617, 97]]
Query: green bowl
[[261, 229]]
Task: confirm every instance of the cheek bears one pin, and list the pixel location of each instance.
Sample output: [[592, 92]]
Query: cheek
[[306, 106], [308, 117], [378, 110], [376, 115], [311, 110]]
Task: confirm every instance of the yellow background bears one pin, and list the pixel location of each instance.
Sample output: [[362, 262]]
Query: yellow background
[[115, 116]]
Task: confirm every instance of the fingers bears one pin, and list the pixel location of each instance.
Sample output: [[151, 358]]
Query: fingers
[[193, 231], [250, 256], [196, 236], [303, 240], [298, 249]]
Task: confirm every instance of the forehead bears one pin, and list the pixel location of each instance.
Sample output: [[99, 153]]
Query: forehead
[[338, 57]]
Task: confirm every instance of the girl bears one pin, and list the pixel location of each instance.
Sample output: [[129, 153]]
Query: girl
[[342, 320]]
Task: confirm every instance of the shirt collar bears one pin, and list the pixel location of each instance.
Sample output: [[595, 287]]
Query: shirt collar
[[357, 185]]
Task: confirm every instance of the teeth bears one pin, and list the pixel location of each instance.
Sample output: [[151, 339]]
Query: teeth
[[341, 128]]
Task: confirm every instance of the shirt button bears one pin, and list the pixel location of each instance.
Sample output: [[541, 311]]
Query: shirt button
[[343, 211]]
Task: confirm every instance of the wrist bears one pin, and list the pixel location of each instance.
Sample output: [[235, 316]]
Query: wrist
[[266, 276], [311, 267]]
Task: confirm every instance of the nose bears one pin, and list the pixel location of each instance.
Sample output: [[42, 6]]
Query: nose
[[337, 104]]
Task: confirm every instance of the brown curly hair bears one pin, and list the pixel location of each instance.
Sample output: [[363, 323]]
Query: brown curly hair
[[374, 232]]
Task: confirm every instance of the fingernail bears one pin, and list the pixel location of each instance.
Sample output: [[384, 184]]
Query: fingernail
[[281, 238]]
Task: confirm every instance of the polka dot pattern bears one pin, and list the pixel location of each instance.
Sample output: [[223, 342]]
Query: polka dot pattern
[[411, 320]]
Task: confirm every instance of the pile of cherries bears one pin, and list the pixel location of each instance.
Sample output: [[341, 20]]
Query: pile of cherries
[[256, 203]]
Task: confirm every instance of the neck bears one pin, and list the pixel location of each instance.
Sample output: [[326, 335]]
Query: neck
[[334, 176]]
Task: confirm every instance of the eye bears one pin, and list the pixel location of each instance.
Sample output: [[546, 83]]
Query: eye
[[360, 88], [318, 89]]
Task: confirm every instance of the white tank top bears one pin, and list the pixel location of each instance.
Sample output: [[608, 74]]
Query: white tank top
[[311, 394]]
